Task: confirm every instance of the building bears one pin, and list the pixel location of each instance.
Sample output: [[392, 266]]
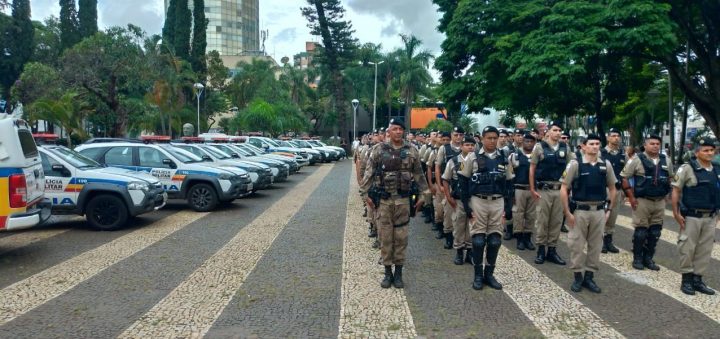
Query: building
[[233, 26]]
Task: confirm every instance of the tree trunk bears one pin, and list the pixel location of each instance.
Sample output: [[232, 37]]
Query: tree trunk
[[707, 106]]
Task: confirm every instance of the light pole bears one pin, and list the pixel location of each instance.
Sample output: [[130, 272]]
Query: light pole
[[375, 91], [355, 104], [198, 91]]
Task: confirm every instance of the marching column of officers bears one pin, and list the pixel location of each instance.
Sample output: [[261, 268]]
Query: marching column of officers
[[500, 184]]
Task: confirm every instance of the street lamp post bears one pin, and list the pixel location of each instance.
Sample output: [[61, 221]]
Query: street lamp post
[[375, 91], [198, 91], [355, 104]]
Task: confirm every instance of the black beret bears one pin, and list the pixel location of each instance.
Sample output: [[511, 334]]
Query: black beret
[[397, 122], [444, 134], [653, 136], [519, 131], [490, 129], [706, 142], [614, 130], [555, 123], [468, 140], [529, 136], [591, 137], [566, 134], [458, 129], [502, 131], [381, 130]]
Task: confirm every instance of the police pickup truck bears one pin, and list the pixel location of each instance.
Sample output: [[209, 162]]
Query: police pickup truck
[[107, 196], [182, 174]]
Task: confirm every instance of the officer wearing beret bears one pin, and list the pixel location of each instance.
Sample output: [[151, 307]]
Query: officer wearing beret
[[525, 203], [424, 154], [589, 178], [393, 169], [361, 164], [695, 204], [453, 189], [548, 161], [651, 172], [614, 153], [436, 186], [444, 154]]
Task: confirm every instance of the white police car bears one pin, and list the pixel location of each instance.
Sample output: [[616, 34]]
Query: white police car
[[183, 175], [107, 197]]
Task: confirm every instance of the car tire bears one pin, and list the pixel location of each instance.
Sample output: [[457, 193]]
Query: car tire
[[106, 212], [202, 197]]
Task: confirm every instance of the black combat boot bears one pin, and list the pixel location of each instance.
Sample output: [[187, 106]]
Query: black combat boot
[[604, 246], [469, 256], [639, 247], [428, 214], [439, 234], [654, 232], [493, 248], [540, 259], [528, 241], [686, 284], [520, 238], [373, 232], [459, 257], [365, 212], [478, 281], [589, 283], [449, 241], [700, 286], [397, 279], [489, 278], [388, 279], [553, 257], [577, 283], [608, 245], [478, 252], [508, 231]]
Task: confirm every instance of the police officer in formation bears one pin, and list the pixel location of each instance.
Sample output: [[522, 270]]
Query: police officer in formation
[[436, 186], [425, 150], [444, 154], [452, 188], [590, 178], [525, 203], [547, 163], [393, 170], [651, 172], [695, 204], [615, 154]]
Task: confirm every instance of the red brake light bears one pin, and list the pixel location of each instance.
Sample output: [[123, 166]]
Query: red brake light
[[18, 191]]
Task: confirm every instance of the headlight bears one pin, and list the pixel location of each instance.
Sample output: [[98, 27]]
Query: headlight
[[244, 176], [268, 171], [139, 186], [225, 176]]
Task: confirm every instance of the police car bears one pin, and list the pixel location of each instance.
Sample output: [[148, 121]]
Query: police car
[[182, 174], [279, 169], [22, 187], [107, 197]]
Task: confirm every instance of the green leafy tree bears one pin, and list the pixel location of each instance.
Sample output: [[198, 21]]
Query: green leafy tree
[[256, 80], [441, 125], [217, 72], [47, 41], [199, 39], [38, 81], [18, 41], [414, 76], [69, 33], [65, 112], [168, 31], [87, 17], [183, 22]]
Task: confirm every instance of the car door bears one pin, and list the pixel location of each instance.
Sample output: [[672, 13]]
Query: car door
[[159, 165], [61, 185]]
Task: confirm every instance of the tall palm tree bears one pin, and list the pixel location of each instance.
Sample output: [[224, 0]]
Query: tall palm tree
[[414, 75]]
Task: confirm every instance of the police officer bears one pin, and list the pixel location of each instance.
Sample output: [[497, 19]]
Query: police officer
[[547, 163], [393, 168], [486, 174], [651, 173], [503, 138], [360, 165], [615, 154], [587, 177], [506, 147], [435, 186], [452, 188], [424, 154], [445, 153], [524, 201], [695, 203]]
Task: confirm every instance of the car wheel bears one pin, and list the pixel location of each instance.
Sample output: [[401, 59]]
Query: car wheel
[[202, 198], [106, 212]]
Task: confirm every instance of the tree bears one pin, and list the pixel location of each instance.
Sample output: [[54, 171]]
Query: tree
[[47, 41], [256, 80], [183, 22], [217, 73], [199, 40], [414, 75], [168, 31], [69, 34], [87, 17], [38, 81], [325, 20], [18, 39], [66, 112]]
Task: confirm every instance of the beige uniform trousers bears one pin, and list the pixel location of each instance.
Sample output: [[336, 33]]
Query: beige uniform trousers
[[437, 204], [588, 231], [549, 218], [696, 250], [448, 212], [461, 228], [648, 212], [610, 223], [488, 216], [393, 216], [525, 212]]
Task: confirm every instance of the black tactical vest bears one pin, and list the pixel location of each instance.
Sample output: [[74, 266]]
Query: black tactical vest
[[455, 184], [551, 167], [489, 179], [522, 172], [706, 194], [590, 182], [617, 161], [656, 182], [449, 154]]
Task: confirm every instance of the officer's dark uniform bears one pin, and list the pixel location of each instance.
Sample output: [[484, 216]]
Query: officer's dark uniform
[[617, 160]]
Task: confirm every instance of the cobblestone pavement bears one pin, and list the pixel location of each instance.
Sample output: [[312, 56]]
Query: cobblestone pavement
[[295, 261]]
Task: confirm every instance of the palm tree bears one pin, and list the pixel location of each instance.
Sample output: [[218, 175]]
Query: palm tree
[[414, 75], [65, 112]]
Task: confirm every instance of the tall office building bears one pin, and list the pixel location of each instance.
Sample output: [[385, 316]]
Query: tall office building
[[233, 27]]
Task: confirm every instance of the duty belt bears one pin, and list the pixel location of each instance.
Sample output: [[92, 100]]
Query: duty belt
[[587, 207], [522, 187], [699, 213], [549, 185], [488, 197], [653, 198]]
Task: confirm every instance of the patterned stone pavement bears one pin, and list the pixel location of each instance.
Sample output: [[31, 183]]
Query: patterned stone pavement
[[295, 261]]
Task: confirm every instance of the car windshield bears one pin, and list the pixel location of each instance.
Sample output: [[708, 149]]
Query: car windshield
[[74, 158], [182, 155], [243, 150], [315, 143], [194, 150], [301, 143], [216, 152], [251, 149], [293, 144], [271, 142]]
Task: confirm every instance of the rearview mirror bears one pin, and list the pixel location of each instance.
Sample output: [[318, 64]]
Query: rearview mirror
[[169, 163]]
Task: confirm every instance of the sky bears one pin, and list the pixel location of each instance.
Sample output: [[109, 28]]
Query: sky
[[377, 21]]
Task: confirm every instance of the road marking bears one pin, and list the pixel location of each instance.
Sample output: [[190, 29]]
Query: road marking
[[27, 294], [194, 305], [25, 238], [366, 310], [666, 235], [553, 310]]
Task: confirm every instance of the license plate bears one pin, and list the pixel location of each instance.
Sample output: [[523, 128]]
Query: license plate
[[250, 187]]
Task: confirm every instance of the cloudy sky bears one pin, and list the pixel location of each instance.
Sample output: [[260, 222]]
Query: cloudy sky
[[378, 21]]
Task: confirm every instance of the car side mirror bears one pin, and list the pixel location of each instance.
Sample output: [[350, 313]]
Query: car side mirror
[[235, 155], [170, 163], [206, 157], [60, 168]]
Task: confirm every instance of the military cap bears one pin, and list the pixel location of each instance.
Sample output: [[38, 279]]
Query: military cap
[[653, 136], [490, 129], [468, 140], [555, 123], [566, 134], [528, 136], [614, 130], [444, 134], [458, 129], [705, 141], [381, 130], [519, 131], [502, 131], [591, 137]]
